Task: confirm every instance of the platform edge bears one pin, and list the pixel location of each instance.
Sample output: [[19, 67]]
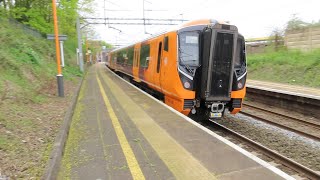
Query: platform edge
[[229, 143], [53, 164]]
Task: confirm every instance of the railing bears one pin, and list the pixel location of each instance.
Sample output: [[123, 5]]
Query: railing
[[26, 28]]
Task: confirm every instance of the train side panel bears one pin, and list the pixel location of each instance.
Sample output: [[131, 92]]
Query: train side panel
[[171, 84], [158, 58], [152, 74]]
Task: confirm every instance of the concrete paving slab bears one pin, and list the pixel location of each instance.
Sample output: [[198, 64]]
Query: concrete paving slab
[[93, 150], [117, 132]]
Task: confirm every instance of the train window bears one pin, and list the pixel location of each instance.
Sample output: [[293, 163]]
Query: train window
[[189, 48], [135, 58], [130, 56], [166, 43], [144, 55], [159, 57], [122, 57], [240, 56]]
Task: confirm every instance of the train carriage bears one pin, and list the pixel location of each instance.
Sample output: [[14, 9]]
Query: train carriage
[[198, 68]]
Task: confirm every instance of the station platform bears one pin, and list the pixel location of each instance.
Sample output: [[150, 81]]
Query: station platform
[[119, 132], [308, 92]]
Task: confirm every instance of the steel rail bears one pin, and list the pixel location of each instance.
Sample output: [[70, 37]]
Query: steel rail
[[282, 126], [301, 121], [309, 173]]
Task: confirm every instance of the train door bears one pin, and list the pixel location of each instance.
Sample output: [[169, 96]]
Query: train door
[[144, 60], [136, 61], [164, 64], [159, 58]]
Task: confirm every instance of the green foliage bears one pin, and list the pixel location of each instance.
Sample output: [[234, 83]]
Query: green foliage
[[96, 46], [107, 45], [277, 39], [295, 23], [27, 64], [38, 13], [36, 20], [286, 66]]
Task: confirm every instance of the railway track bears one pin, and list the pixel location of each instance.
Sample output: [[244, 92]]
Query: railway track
[[301, 103], [310, 125], [301, 121], [300, 169]]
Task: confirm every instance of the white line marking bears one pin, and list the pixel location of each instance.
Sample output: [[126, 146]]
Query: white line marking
[[234, 146]]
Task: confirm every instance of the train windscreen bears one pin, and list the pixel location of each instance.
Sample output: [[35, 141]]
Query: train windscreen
[[189, 48]]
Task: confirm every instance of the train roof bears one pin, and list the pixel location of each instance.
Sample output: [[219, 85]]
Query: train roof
[[177, 28]]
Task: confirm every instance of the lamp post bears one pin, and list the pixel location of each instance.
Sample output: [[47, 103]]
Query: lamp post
[[56, 33], [80, 45]]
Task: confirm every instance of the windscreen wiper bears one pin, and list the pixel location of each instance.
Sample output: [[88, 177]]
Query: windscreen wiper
[[182, 61]]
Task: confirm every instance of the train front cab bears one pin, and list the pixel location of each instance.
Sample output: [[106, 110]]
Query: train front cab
[[199, 68], [162, 73], [212, 63]]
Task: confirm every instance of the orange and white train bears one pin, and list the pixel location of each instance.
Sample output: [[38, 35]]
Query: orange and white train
[[198, 68]]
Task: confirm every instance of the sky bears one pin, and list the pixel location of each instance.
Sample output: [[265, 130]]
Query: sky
[[253, 18]]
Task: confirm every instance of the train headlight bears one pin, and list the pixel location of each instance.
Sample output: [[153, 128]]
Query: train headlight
[[240, 85], [186, 82], [187, 85]]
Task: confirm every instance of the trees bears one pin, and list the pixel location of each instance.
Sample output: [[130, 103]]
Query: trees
[[295, 23], [277, 38], [38, 13]]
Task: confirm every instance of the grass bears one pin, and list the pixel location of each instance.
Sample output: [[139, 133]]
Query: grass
[[76, 134], [3, 142], [286, 66], [30, 113], [27, 63]]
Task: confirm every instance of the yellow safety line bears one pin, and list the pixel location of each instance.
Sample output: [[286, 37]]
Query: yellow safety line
[[130, 157], [178, 160]]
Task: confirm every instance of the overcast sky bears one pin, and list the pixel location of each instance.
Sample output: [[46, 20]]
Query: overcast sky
[[254, 18]]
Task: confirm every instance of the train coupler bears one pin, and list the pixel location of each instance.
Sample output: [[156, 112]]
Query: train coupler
[[217, 110]]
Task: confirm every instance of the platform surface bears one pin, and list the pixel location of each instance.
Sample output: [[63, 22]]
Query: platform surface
[[286, 88], [118, 132]]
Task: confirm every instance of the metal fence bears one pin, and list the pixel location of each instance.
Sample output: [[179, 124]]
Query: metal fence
[[26, 29]]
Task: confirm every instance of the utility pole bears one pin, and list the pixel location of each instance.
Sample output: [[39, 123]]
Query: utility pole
[[56, 33], [87, 54], [80, 44], [144, 19]]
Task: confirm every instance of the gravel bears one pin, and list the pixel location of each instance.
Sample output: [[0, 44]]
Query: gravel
[[289, 144]]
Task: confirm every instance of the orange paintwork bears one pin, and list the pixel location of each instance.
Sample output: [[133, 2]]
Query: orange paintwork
[[240, 95], [167, 81], [201, 22], [155, 44], [196, 22]]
